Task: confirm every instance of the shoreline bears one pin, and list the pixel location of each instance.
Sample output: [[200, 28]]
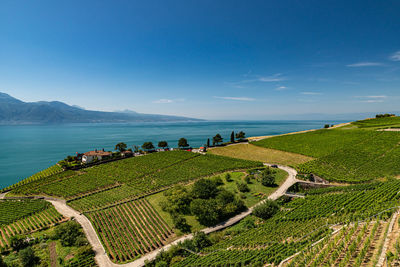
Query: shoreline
[[258, 138]]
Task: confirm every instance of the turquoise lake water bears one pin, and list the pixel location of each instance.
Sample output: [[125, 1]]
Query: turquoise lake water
[[27, 149]]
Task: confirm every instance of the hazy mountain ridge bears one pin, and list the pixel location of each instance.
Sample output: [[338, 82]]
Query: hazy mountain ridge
[[15, 111]]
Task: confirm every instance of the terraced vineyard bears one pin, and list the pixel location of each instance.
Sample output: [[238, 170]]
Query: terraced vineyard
[[303, 222], [40, 217], [140, 173], [354, 245], [37, 176], [351, 156], [189, 169], [11, 210], [130, 230]]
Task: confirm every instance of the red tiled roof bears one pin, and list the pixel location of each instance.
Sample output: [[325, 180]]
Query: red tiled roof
[[97, 153]]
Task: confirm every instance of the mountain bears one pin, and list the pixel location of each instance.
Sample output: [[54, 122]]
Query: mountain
[[14, 111]]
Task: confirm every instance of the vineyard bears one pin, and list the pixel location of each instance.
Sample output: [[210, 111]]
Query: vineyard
[[139, 174], [351, 155], [24, 217], [11, 210], [381, 122], [187, 170], [37, 176], [305, 221], [130, 230], [353, 245]]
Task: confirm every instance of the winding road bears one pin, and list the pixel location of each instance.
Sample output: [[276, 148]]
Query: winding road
[[104, 261]]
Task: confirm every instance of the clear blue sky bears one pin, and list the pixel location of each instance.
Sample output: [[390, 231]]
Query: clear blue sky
[[206, 59]]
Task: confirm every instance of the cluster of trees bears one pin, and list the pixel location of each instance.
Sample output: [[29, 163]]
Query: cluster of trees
[[207, 200], [386, 115], [217, 139], [149, 146], [265, 176]]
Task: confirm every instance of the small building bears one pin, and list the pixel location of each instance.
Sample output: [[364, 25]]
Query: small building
[[95, 154], [127, 153]]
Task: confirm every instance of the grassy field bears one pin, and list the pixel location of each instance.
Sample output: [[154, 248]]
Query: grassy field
[[256, 194], [345, 154], [258, 153]]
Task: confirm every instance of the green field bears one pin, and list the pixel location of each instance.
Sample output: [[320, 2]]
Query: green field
[[346, 154], [258, 153]]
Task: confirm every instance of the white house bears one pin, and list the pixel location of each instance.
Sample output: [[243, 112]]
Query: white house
[[91, 155]]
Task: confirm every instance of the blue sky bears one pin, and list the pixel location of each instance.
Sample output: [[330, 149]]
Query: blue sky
[[205, 59]]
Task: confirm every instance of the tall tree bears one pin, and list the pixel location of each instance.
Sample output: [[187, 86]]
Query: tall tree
[[183, 143], [148, 146], [121, 147], [208, 142], [232, 137], [217, 139], [240, 135], [163, 144]]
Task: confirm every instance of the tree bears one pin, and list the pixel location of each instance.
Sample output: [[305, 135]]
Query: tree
[[267, 179], [204, 188], [240, 135], [326, 126], [232, 137], [183, 143], [181, 224], [200, 241], [68, 233], [228, 177], [121, 147], [148, 146], [2, 263], [163, 144], [206, 211], [136, 149], [208, 142], [217, 139], [177, 200], [27, 257], [18, 242], [266, 210]]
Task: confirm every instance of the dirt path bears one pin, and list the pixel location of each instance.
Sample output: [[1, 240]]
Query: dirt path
[[53, 254], [103, 260]]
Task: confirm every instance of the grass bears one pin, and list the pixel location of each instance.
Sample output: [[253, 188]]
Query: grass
[[257, 153], [250, 198]]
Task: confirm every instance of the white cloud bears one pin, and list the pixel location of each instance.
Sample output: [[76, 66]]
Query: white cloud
[[280, 88], [274, 78], [373, 101], [395, 56], [365, 64], [257, 78], [167, 101], [311, 93], [372, 98], [235, 98]]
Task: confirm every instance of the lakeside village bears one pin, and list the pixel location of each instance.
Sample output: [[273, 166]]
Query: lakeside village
[[98, 156]]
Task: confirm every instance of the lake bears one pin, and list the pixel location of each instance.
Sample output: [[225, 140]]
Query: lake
[[27, 149]]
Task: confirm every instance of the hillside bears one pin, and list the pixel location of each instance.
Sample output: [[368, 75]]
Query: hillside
[[14, 111], [137, 206]]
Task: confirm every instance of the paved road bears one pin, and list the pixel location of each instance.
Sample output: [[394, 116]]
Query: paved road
[[103, 260]]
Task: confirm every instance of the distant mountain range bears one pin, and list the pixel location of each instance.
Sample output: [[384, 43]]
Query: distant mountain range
[[14, 111]]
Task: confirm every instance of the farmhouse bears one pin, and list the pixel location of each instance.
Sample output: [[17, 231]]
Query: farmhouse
[[95, 154]]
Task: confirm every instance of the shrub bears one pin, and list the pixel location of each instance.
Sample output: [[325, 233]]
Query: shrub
[[228, 177], [266, 210], [181, 224], [200, 241], [68, 233], [27, 257], [242, 187], [268, 180]]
